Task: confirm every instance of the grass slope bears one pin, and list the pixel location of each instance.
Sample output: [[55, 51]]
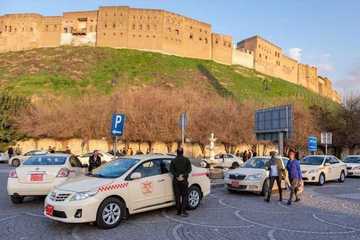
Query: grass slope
[[75, 71]]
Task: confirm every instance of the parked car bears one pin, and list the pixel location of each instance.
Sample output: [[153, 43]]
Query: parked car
[[353, 165], [16, 160], [105, 157], [322, 168], [4, 157], [252, 176], [40, 174], [124, 186], [223, 160]]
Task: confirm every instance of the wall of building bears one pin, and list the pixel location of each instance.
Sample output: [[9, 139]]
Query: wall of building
[[288, 69], [222, 48], [243, 57]]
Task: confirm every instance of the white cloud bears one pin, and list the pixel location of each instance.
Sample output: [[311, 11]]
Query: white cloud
[[295, 53], [326, 67]]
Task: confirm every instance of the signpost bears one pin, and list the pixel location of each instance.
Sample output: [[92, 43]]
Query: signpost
[[274, 124], [117, 128], [326, 138], [183, 124], [312, 144]]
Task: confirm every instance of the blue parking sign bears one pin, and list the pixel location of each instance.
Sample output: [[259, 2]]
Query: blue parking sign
[[312, 144], [117, 124]]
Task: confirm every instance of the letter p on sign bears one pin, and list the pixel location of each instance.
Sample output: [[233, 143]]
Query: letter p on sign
[[117, 124]]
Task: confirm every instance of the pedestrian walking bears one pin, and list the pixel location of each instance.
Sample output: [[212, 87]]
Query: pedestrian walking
[[245, 156], [180, 168], [238, 153], [295, 176], [10, 152], [94, 161], [68, 150], [277, 173]]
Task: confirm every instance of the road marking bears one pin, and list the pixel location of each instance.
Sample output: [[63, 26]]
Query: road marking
[[175, 231], [74, 233], [334, 224], [8, 218], [203, 225], [270, 234], [237, 214], [34, 215], [221, 202]]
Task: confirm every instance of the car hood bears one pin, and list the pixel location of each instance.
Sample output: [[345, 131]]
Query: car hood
[[84, 183], [247, 171], [309, 167]]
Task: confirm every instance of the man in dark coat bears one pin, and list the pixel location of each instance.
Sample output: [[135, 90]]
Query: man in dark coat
[[94, 161], [180, 168], [10, 152]]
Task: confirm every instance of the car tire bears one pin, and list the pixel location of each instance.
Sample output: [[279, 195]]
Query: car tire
[[16, 199], [265, 187], [322, 179], [15, 162], [110, 213], [193, 197], [342, 176], [204, 164]]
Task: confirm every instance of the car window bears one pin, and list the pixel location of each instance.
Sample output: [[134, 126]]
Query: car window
[[328, 160], [75, 162], [150, 168], [165, 166], [312, 160], [352, 159], [229, 156], [115, 169], [334, 160], [45, 160]]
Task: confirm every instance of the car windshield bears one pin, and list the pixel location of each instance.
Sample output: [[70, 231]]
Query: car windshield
[[45, 160], [312, 160], [114, 169], [352, 159], [256, 163]]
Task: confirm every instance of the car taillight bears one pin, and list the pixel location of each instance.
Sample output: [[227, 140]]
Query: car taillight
[[64, 172], [12, 174]]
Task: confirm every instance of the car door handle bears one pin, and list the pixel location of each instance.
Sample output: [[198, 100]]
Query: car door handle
[[161, 180]]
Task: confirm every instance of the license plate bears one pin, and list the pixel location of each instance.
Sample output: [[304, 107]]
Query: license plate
[[49, 210], [37, 177], [235, 183]]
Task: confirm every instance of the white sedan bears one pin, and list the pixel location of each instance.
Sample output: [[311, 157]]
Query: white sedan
[[252, 176], [105, 157], [38, 175], [16, 160], [4, 157], [124, 186], [322, 168], [353, 165], [223, 160]]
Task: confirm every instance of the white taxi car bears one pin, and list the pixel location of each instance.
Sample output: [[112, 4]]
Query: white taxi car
[[353, 165], [38, 175], [322, 168], [121, 187], [223, 160], [252, 176]]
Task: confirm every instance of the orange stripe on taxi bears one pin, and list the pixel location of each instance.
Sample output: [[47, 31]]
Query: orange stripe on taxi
[[113, 186]]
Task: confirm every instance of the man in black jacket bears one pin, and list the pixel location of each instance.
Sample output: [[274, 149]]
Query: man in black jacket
[[180, 168], [94, 161]]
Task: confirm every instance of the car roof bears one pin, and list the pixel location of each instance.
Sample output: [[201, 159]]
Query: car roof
[[353, 156], [53, 155], [143, 157], [320, 155]]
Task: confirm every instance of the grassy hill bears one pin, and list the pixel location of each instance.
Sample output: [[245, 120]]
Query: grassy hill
[[75, 71]]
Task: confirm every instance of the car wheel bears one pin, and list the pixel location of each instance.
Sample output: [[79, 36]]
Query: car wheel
[[15, 162], [16, 199], [265, 187], [194, 197], [204, 164], [342, 177], [321, 179], [110, 213]]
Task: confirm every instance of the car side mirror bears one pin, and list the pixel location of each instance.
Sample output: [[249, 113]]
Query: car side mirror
[[135, 175], [327, 164]]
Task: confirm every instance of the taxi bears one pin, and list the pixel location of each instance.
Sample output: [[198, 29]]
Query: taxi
[[39, 174], [124, 186], [252, 176], [322, 168], [353, 165]]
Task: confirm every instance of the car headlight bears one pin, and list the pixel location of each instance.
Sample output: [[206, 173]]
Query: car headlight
[[254, 177], [313, 171], [82, 195]]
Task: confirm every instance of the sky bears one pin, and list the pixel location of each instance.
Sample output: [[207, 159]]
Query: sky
[[324, 33]]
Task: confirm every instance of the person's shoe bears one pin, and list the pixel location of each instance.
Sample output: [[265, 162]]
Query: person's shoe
[[267, 200], [178, 213], [184, 214], [280, 199], [289, 203], [297, 200]]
